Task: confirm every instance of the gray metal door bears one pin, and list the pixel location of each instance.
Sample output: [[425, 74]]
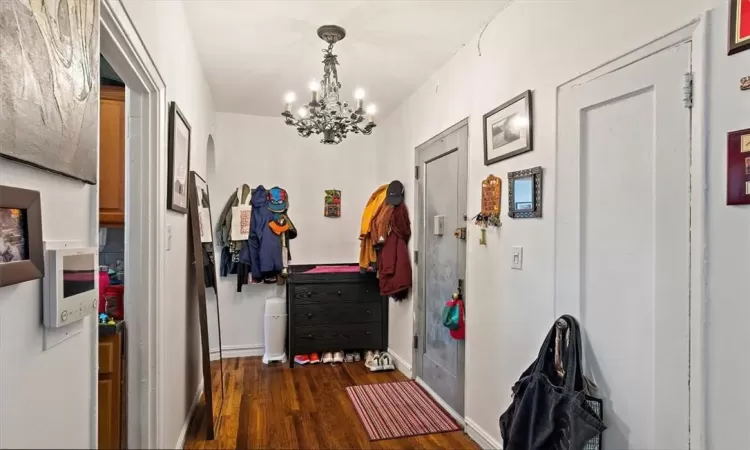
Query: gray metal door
[[442, 176]]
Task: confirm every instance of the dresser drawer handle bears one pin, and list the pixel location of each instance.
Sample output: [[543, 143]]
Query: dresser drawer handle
[[368, 312], [338, 293], [309, 315], [309, 336], [367, 333]]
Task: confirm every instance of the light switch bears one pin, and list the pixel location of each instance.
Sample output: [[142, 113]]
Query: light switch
[[517, 262], [169, 237], [439, 225]]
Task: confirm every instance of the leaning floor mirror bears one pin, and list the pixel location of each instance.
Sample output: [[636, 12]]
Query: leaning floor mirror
[[205, 283]]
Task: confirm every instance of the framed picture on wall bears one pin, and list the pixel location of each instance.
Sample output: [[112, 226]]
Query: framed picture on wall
[[21, 248], [739, 26], [178, 160], [508, 129]]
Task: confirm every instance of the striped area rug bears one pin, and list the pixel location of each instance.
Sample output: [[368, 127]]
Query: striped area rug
[[398, 409]]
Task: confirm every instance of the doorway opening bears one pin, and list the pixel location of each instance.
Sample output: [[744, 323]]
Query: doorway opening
[[112, 379], [442, 175], [131, 196]]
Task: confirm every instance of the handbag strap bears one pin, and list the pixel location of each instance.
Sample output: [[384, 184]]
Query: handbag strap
[[570, 354], [239, 196], [574, 352], [544, 350]]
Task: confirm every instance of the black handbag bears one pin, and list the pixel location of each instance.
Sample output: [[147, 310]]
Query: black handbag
[[550, 412]]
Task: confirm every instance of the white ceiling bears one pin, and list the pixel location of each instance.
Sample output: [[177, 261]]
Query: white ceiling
[[254, 51]]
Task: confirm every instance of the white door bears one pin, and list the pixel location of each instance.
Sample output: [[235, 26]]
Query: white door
[[623, 243]]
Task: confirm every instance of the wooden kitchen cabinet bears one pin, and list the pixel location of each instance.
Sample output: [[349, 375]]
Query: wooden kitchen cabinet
[[110, 391], [112, 156]]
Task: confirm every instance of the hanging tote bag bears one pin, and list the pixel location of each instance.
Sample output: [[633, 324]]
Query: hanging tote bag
[[452, 313], [241, 217], [549, 413]]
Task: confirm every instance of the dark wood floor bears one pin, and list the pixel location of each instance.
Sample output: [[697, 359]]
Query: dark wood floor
[[306, 407]]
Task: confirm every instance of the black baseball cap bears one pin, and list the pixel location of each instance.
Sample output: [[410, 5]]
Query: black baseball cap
[[395, 193]]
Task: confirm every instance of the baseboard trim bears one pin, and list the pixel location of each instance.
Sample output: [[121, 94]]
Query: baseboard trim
[[480, 436], [456, 416], [183, 432], [401, 363], [237, 351]]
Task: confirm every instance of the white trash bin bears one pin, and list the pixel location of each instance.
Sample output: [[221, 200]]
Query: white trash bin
[[274, 330]]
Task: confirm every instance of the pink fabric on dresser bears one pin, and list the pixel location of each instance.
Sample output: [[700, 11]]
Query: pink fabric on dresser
[[333, 269]]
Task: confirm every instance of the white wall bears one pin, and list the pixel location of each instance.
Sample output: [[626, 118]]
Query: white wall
[[729, 250], [509, 311], [263, 150], [35, 385], [164, 30]]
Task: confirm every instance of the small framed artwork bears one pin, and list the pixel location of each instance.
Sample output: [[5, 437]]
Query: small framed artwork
[[332, 205], [738, 167], [178, 160], [739, 26], [508, 129], [21, 242], [525, 193]]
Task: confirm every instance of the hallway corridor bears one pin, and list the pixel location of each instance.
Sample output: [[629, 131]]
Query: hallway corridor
[[306, 407]]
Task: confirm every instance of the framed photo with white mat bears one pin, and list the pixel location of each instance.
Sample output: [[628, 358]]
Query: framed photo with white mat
[[508, 129]]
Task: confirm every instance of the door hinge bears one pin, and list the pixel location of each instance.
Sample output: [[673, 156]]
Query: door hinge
[[416, 342], [416, 172], [416, 256], [687, 90]]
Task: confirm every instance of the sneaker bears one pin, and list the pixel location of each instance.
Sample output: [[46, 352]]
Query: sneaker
[[314, 359], [327, 357], [385, 362], [338, 357], [369, 355], [357, 357], [302, 359], [349, 357], [375, 365]]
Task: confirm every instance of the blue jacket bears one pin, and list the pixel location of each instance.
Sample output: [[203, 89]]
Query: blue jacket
[[265, 245]]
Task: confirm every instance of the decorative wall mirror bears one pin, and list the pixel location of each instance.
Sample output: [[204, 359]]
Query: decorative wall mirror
[[525, 193], [199, 212]]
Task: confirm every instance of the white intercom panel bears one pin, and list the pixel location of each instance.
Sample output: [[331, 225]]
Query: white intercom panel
[[71, 284]]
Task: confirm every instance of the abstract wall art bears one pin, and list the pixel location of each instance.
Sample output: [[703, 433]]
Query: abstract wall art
[[49, 85]]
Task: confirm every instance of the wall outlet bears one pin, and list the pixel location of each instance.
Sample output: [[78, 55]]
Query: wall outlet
[[517, 262]]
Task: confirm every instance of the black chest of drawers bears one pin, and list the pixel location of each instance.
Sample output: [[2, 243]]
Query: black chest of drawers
[[334, 311]]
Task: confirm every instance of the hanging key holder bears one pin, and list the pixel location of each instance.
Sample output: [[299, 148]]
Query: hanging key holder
[[490, 214]]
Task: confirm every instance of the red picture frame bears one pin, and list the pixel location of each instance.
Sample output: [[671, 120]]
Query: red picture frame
[[738, 167], [739, 26]]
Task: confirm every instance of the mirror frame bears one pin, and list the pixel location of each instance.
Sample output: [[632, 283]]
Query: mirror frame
[[212, 426], [536, 211]]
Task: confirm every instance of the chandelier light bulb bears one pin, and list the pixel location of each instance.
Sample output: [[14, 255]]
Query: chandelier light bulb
[[290, 97], [314, 86], [372, 109], [302, 112], [359, 94]]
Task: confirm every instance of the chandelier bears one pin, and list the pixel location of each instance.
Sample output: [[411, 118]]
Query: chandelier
[[326, 114]]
